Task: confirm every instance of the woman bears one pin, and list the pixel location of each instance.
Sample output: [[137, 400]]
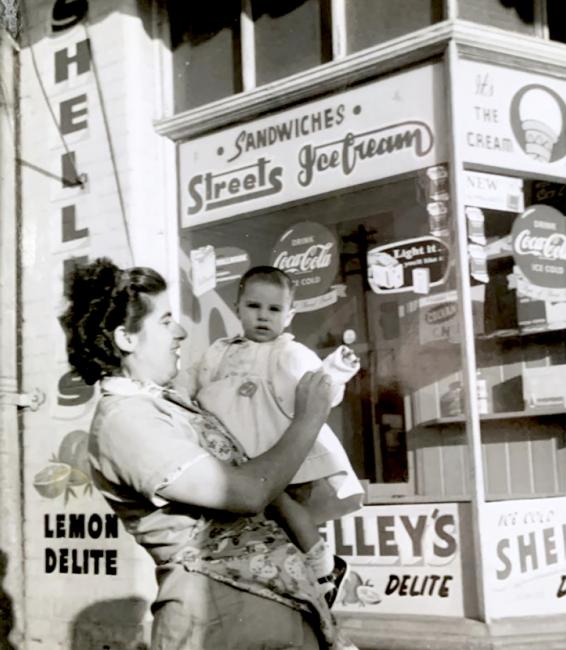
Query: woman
[[228, 577]]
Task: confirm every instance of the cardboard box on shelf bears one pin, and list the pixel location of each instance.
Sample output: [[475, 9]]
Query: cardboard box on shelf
[[508, 395], [544, 386]]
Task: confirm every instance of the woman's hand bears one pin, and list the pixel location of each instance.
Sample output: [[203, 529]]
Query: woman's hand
[[313, 397], [250, 487]]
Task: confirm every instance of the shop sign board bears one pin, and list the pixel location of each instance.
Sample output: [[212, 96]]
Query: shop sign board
[[370, 132], [404, 559], [512, 119], [525, 556], [493, 192]]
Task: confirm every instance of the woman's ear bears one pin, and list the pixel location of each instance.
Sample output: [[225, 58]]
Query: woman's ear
[[125, 340]]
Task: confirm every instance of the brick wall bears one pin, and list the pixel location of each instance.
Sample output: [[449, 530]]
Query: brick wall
[[87, 584]]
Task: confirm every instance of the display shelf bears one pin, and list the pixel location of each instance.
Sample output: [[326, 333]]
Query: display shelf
[[505, 415], [517, 333]]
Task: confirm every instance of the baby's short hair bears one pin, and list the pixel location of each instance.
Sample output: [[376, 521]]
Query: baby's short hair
[[269, 274]]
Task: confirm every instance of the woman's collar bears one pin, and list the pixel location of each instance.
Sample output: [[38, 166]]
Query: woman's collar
[[127, 386]]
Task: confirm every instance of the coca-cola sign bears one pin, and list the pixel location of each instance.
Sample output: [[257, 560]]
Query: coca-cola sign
[[539, 247], [308, 252]]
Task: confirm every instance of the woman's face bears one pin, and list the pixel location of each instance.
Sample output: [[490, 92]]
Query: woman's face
[[154, 356]]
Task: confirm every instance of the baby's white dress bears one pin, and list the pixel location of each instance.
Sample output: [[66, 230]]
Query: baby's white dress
[[250, 387]]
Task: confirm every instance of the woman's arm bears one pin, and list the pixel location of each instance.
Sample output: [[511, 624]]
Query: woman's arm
[[250, 487]]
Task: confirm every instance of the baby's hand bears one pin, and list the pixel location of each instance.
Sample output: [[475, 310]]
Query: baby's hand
[[349, 357]]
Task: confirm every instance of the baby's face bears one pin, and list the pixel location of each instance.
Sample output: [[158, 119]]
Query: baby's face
[[264, 310]]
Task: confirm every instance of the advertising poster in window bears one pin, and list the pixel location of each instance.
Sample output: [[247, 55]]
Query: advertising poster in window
[[404, 559], [319, 147], [513, 119], [538, 243], [525, 554]]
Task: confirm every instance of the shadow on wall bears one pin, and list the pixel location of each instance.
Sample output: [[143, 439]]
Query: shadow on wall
[[6, 612], [111, 625]]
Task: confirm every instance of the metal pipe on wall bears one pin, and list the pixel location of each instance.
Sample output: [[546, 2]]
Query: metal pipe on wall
[[12, 596]]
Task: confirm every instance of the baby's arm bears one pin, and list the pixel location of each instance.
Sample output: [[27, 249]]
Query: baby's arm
[[295, 521]]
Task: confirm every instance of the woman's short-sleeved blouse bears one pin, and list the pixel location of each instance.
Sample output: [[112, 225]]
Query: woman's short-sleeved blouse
[[138, 444]]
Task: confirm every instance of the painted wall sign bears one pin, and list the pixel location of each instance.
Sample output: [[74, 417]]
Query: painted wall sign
[[67, 470], [409, 265], [319, 147], [539, 250], [525, 555], [67, 13], [404, 559], [493, 192], [308, 253], [64, 555], [513, 119]]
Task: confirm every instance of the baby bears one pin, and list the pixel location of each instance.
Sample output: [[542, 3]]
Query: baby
[[249, 383]]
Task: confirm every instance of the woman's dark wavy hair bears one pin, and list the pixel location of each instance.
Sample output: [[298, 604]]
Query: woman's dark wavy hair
[[101, 297]]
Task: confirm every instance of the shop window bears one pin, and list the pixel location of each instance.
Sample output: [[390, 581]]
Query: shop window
[[205, 39], [290, 37], [391, 294], [556, 20], [513, 15], [518, 268], [369, 22]]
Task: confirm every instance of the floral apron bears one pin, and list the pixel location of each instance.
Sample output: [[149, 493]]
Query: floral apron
[[251, 553]]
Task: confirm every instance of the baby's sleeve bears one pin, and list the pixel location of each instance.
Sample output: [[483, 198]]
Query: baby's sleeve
[[139, 446], [206, 369], [289, 363]]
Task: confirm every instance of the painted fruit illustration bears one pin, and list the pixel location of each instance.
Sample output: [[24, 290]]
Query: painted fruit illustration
[[350, 589], [73, 450], [358, 592], [68, 469], [368, 595], [52, 480]]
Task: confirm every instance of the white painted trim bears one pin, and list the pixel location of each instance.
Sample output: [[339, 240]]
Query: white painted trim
[[529, 53], [247, 42], [541, 19], [339, 29], [473, 40], [163, 79], [336, 75], [451, 9], [163, 57], [468, 351]]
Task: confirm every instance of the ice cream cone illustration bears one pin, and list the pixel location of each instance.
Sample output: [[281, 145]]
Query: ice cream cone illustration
[[541, 120]]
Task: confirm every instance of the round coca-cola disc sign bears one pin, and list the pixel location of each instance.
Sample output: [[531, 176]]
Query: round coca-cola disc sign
[[308, 252], [539, 246]]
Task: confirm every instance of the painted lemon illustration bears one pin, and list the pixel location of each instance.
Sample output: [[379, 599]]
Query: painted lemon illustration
[[73, 450], [53, 480], [358, 592], [368, 595], [68, 469], [350, 589]]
